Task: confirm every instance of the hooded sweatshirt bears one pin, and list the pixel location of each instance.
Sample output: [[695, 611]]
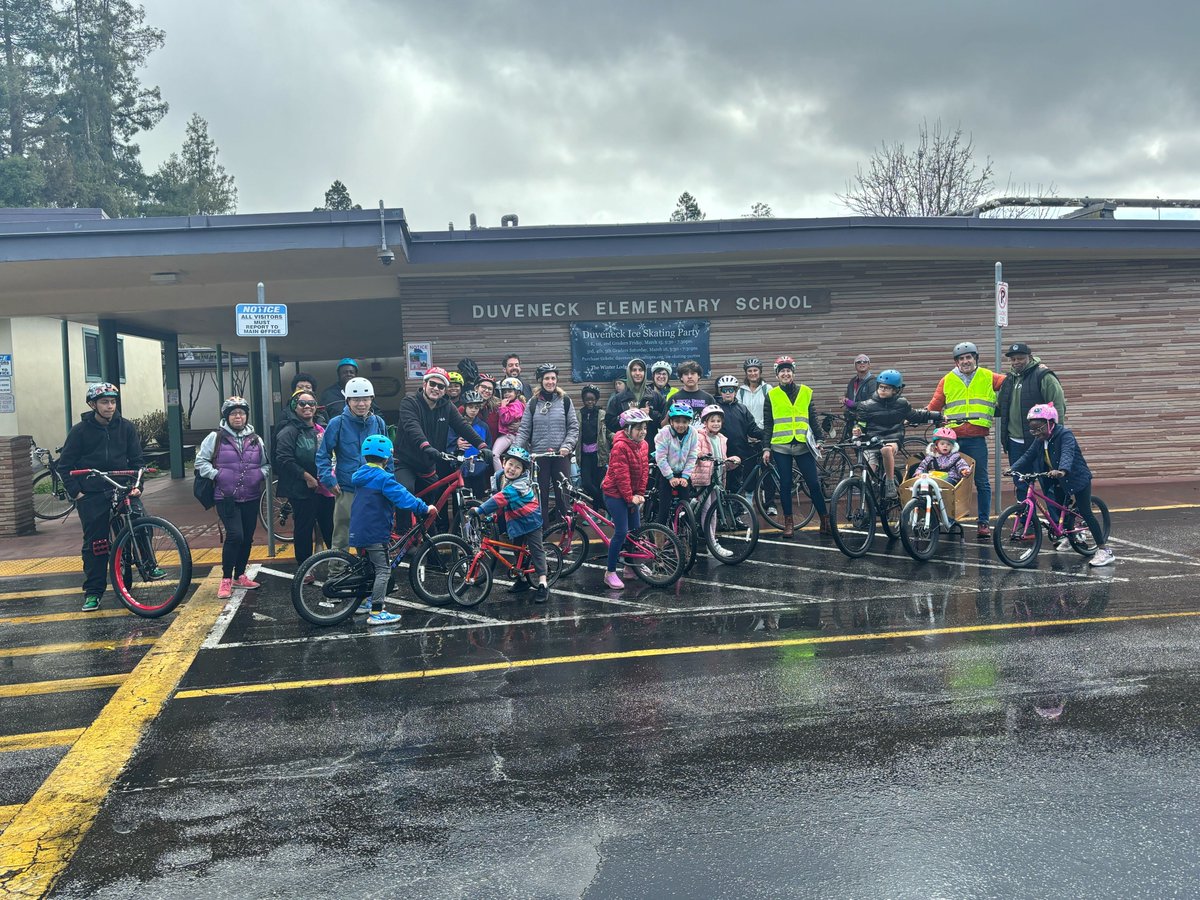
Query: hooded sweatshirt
[[643, 396], [92, 445]]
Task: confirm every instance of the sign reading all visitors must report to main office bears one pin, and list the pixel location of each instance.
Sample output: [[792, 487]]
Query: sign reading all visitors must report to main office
[[261, 320]]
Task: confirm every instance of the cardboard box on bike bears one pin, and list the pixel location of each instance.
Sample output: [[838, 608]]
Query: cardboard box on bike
[[955, 498]]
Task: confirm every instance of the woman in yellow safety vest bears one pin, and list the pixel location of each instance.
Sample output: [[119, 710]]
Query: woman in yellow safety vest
[[789, 419]]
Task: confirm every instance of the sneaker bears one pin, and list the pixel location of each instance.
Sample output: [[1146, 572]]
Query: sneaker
[[984, 533], [310, 578], [91, 603], [1102, 558], [383, 617], [541, 594], [612, 580], [772, 511], [1064, 546], [520, 586], [363, 608], [243, 581], [890, 491], [225, 591], [158, 572], [629, 573]]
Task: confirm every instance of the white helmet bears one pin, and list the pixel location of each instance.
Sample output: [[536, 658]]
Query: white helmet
[[358, 387]]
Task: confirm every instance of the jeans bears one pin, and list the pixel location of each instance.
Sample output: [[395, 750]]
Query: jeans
[[625, 519], [1015, 451], [977, 449], [377, 554], [240, 520], [808, 468]]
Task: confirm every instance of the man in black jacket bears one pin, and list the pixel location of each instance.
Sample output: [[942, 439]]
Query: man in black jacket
[[105, 441]]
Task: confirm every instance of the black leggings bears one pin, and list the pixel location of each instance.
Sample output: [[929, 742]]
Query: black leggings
[[313, 510], [1083, 506], [547, 478], [240, 520]]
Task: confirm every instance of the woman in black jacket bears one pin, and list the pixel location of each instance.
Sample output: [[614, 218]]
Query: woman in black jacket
[[296, 466]]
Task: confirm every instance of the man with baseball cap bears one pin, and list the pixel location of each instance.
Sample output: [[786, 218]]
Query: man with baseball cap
[[1029, 383]]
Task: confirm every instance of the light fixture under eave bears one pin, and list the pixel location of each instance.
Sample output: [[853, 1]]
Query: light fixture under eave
[[164, 278]]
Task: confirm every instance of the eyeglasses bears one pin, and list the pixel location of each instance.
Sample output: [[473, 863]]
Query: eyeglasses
[[306, 402], [435, 384]]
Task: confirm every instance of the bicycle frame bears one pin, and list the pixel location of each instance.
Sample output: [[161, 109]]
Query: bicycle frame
[[1052, 523], [927, 485], [490, 548], [597, 521]]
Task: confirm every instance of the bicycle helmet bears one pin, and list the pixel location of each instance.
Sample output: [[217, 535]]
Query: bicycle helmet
[[347, 361], [517, 453], [751, 362], [964, 348], [472, 396], [233, 403], [633, 417], [711, 409], [103, 389], [1043, 411], [512, 384], [890, 377], [438, 374], [678, 411], [662, 366], [590, 389], [456, 378], [727, 383], [377, 445], [358, 387], [945, 433], [785, 362], [483, 376]]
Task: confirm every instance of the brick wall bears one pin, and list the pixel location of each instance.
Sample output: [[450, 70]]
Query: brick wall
[[16, 486]]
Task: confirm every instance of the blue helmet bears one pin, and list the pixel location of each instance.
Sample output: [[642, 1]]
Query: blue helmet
[[518, 453], [891, 377], [377, 445], [347, 361], [678, 410]]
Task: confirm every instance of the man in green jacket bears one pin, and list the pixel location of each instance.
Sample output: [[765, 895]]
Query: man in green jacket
[[1029, 382]]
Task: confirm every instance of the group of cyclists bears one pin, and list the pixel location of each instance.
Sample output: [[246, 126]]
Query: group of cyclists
[[488, 420]]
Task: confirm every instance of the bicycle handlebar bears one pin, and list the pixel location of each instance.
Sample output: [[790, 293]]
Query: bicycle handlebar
[[1030, 476], [135, 474]]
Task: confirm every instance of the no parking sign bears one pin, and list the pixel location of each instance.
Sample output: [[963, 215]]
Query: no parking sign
[[1001, 304]]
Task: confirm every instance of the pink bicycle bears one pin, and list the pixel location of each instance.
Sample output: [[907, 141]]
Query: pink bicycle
[[1017, 536], [653, 551]]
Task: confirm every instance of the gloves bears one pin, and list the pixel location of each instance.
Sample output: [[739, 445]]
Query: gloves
[[486, 453], [848, 403], [431, 454]]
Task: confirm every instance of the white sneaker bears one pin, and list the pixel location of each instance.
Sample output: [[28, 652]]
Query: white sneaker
[[1064, 546], [1102, 558], [772, 511]]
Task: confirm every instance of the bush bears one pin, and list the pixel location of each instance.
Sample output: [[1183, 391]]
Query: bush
[[153, 427]]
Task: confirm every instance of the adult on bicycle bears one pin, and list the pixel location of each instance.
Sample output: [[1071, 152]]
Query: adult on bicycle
[[234, 459], [550, 424], [789, 418], [426, 420], [103, 439], [339, 454]]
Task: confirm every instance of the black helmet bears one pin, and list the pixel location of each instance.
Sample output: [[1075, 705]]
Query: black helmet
[[468, 370], [546, 369], [751, 362], [590, 389]]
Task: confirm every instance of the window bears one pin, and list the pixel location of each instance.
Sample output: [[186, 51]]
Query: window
[[91, 356]]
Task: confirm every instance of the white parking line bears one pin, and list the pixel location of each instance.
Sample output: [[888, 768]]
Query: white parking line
[[213, 638]]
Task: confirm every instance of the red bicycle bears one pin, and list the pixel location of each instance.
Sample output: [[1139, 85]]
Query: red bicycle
[[452, 488], [653, 551], [470, 577]]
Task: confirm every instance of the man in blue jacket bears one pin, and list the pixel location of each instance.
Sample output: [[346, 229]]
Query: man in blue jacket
[[339, 454]]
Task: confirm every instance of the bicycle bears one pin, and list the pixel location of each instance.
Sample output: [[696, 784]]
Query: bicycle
[[140, 547], [329, 586], [727, 519], [924, 517], [1018, 533], [470, 577], [285, 520], [50, 498], [858, 500], [833, 465], [653, 552]]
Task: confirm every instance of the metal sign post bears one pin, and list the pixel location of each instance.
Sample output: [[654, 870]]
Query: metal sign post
[[263, 320], [1001, 322]]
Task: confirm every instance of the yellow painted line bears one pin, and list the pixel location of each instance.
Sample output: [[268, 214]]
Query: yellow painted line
[[65, 617], [38, 739], [61, 685], [1153, 508], [8, 813], [656, 651], [44, 834], [48, 592], [66, 565], [82, 647]]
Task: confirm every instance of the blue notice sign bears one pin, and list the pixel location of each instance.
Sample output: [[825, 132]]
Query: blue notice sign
[[261, 319], [601, 350]]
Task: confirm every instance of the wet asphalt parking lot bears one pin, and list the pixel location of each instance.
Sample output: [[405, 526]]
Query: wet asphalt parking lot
[[799, 725]]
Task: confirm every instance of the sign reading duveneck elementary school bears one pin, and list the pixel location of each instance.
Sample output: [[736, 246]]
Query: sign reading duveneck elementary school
[[764, 304]]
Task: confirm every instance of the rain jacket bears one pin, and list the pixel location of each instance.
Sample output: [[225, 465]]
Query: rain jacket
[[675, 455], [517, 501], [343, 442], [376, 492], [1061, 451], [235, 464], [739, 428], [885, 419], [90, 445], [628, 468]]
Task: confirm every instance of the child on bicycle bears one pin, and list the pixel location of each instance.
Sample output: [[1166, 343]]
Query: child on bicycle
[[1056, 452], [376, 492], [512, 409], [675, 452], [942, 458], [624, 486], [516, 499], [883, 416]]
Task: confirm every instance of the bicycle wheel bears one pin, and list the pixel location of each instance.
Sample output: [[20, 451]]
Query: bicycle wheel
[[285, 522], [151, 567], [340, 582], [573, 547], [429, 569], [852, 515], [766, 496], [803, 508], [655, 554], [470, 580], [554, 565], [458, 526], [1017, 541], [730, 528], [920, 527], [683, 523], [889, 517], [50, 500], [1080, 535], [835, 467]]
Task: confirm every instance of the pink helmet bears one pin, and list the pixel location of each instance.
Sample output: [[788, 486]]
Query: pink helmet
[[710, 409], [633, 417], [945, 433], [1044, 411]]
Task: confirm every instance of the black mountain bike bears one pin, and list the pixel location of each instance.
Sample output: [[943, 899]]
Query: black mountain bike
[[50, 498], [859, 500]]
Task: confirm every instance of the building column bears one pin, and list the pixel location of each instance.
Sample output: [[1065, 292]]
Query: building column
[[16, 486], [65, 335], [254, 382], [174, 411], [110, 354]]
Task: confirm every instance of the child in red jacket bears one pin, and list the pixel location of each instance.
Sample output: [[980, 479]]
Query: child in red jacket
[[624, 485]]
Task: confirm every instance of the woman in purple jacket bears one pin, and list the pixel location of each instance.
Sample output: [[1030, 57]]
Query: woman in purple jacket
[[232, 456]]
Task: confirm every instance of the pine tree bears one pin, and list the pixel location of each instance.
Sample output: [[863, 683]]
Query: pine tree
[[687, 209], [192, 182], [337, 197]]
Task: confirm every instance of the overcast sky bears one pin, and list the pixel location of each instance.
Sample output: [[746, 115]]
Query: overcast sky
[[569, 112]]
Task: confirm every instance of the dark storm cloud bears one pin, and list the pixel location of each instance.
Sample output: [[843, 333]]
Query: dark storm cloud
[[606, 112]]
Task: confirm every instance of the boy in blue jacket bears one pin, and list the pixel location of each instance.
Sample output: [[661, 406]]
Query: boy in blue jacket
[[515, 497], [376, 491]]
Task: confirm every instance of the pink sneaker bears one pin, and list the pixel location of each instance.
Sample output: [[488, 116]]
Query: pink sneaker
[[613, 581], [629, 574], [225, 591], [244, 582]]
